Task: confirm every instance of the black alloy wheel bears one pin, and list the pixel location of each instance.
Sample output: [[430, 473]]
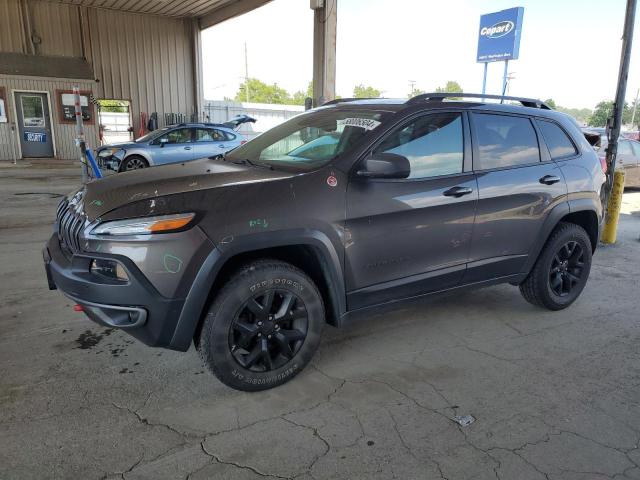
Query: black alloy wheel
[[268, 330], [566, 268]]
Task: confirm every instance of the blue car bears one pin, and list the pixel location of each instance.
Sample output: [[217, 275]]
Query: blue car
[[173, 144]]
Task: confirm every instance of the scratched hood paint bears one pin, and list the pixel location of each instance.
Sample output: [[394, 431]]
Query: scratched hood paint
[[114, 191]]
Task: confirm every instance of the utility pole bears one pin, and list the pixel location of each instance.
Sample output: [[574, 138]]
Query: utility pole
[[246, 71], [635, 106], [615, 179], [412, 85]]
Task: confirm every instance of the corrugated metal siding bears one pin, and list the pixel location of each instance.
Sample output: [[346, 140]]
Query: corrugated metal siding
[[59, 28], [147, 59], [12, 35], [64, 132], [125, 50], [176, 8]]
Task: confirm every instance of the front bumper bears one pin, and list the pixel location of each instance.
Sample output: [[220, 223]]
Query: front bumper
[[135, 305], [109, 162]]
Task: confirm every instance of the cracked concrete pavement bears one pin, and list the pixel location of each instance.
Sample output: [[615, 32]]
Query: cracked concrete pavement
[[554, 395]]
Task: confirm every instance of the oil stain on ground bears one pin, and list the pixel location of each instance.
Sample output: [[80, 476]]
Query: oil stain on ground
[[89, 339]]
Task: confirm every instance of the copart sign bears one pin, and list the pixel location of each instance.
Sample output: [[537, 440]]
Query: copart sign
[[499, 35]]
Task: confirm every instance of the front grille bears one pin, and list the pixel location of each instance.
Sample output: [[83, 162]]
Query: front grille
[[71, 221]]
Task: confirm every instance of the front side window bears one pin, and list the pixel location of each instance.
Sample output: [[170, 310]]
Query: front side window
[[311, 140], [433, 144], [559, 144], [504, 141], [180, 135]]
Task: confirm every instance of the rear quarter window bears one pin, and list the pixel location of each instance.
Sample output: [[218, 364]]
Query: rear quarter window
[[559, 144], [504, 141]]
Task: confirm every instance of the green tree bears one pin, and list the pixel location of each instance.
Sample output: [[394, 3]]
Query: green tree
[[299, 96], [551, 103], [450, 87], [604, 110], [415, 91], [260, 92], [360, 91]]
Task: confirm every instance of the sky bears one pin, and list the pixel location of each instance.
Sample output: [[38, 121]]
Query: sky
[[569, 51]]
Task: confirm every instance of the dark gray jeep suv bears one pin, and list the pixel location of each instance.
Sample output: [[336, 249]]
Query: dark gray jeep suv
[[338, 210]]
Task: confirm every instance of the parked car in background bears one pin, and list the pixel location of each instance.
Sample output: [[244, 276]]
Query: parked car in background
[[173, 144], [628, 155]]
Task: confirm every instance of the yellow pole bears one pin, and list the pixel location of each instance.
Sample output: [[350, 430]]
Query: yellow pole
[[610, 230]]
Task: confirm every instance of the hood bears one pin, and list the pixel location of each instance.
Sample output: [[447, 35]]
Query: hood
[[117, 145], [102, 196]]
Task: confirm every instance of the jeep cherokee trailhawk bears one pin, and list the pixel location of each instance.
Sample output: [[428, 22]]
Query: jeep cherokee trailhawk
[[343, 208]]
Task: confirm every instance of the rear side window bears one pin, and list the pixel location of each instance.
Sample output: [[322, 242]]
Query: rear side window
[[504, 141], [558, 142], [228, 136]]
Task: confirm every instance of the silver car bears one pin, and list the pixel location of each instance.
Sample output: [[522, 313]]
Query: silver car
[[173, 144], [628, 157]]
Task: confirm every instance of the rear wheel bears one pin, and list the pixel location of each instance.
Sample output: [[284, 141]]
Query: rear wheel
[[134, 162], [263, 327], [562, 269]]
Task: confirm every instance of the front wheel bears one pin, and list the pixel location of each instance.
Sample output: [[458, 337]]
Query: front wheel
[[134, 162], [263, 326], [561, 271]]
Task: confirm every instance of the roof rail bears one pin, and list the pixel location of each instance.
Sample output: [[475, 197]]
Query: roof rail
[[352, 99], [438, 97]]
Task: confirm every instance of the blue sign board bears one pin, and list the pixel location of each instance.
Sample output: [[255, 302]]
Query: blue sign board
[[35, 137], [499, 35]]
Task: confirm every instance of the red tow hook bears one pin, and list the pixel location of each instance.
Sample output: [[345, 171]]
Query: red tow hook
[[78, 308]]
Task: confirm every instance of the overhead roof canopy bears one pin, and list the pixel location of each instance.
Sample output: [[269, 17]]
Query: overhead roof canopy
[[209, 12]]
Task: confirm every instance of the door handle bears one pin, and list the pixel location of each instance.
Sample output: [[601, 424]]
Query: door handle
[[187, 148], [549, 179], [457, 192], [220, 146]]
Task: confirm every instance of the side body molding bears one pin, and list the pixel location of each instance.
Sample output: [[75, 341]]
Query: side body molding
[[196, 299]]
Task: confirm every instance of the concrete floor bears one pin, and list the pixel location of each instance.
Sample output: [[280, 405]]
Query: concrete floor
[[554, 395]]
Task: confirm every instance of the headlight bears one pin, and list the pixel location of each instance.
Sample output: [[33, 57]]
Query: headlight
[[144, 226], [114, 151]]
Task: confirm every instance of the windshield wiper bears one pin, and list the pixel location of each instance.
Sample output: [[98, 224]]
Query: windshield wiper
[[246, 161]]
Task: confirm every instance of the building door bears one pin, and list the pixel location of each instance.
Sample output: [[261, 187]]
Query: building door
[[34, 124]]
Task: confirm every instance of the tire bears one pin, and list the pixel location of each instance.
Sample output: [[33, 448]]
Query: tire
[[267, 298], [134, 162], [561, 270]]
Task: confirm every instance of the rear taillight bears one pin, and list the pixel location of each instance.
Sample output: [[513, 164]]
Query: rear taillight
[[603, 162]]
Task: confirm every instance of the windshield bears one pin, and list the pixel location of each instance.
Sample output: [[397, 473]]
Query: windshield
[[310, 140], [151, 135]]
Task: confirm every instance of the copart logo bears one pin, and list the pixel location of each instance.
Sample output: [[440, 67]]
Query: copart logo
[[498, 30]]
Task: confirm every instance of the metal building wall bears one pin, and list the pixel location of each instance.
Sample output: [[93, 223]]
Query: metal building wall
[[146, 59], [142, 58], [12, 33], [64, 133]]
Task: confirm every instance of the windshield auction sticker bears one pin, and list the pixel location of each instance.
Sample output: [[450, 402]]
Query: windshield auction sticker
[[365, 123]]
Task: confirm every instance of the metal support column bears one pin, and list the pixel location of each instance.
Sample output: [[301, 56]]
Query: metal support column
[[324, 50], [614, 124], [484, 78]]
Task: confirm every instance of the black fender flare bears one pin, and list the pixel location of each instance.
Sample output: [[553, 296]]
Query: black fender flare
[[553, 218], [196, 299]]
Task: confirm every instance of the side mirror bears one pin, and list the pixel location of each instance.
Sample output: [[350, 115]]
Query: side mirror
[[164, 141], [385, 165]]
